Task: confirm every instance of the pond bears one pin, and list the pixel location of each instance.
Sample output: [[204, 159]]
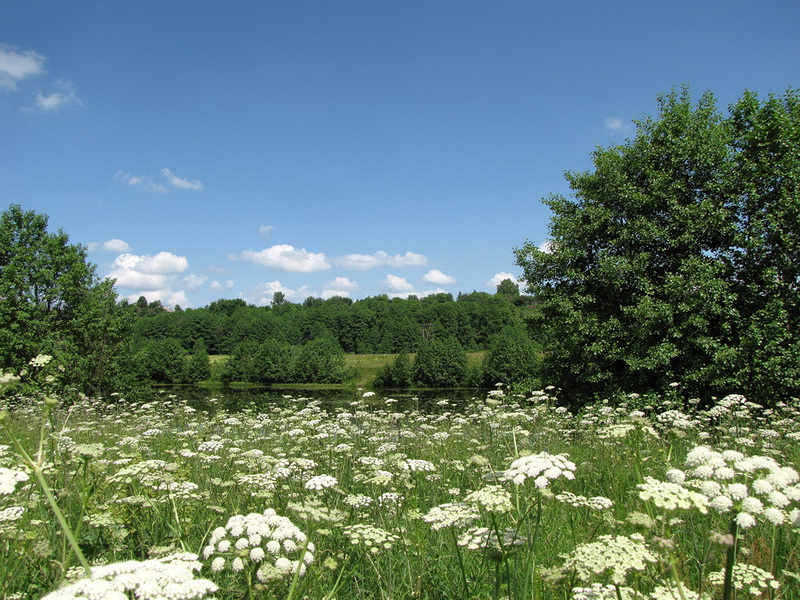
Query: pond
[[233, 399]]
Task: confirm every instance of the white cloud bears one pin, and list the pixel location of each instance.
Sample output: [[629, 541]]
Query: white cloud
[[113, 245], [341, 286], [397, 284], [140, 181], [216, 285], [18, 65], [193, 281], [436, 277], [499, 277], [546, 247], [363, 262], [153, 277], [261, 295], [179, 182], [68, 96], [615, 124], [265, 229], [289, 258], [342, 283]]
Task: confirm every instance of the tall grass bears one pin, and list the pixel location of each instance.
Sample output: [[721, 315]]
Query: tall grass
[[506, 496]]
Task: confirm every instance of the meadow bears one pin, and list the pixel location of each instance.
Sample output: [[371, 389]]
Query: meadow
[[506, 496]]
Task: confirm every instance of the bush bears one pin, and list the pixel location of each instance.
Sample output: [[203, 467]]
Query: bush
[[320, 361], [440, 363]]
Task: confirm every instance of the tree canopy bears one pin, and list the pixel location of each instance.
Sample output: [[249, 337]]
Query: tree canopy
[[52, 303], [677, 259]]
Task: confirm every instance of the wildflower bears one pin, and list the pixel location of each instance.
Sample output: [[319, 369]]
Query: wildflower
[[451, 514], [492, 498], [542, 468], [374, 538], [9, 479], [260, 539], [598, 591], [594, 503], [321, 482], [671, 496], [756, 581], [156, 579], [482, 538], [618, 555]]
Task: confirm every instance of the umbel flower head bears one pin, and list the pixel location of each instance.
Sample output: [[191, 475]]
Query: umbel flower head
[[156, 579], [266, 541], [542, 468], [750, 486], [613, 555]]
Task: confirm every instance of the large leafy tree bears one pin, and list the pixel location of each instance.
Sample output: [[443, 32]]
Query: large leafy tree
[[676, 258], [52, 303]]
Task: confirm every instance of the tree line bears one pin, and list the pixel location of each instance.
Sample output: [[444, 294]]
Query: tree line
[[675, 263]]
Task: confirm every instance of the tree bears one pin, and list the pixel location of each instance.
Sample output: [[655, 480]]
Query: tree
[[440, 363], [320, 361], [52, 303], [198, 366], [273, 362], [677, 256], [511, 358]]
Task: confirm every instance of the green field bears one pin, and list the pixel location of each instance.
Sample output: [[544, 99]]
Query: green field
[[508, 497]]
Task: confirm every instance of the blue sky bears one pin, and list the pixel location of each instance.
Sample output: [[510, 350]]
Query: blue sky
[[209, 150]]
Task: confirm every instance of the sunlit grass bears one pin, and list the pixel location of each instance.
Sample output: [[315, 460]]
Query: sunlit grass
[[505, 497]]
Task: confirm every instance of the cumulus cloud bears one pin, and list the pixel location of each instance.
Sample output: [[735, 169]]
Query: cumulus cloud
[[193, 281], [288, 258], [261, 295], [221, 285], [113, 245], [341, 286], [140, 181], [398, 284], [436, 277], [15, 65], [499, 277], [68, 96], [363, 262], [153, 277], [179, 182]]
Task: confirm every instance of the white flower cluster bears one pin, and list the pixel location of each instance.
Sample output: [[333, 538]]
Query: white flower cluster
[[747, 577], [321, 482], [594, 503], [617, 555], [268, 541], [168, 578], [9, 478], [415, 464], [542, 468], [451, 514], [748, 485], [374, 538], [483, 538], [493, 498], [671, 496], [598, 591]]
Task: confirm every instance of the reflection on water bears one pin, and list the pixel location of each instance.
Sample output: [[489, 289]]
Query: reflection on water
[[233, 399]]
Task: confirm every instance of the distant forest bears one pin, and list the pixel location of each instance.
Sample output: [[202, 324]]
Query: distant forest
[[374, 325]]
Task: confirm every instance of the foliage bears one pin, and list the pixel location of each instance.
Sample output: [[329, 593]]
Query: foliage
[[198, 366], [440, 363], [676, 259], [512, 357], [273, 362], [162, 361], [320, 361], [52, 303], [396, 375]]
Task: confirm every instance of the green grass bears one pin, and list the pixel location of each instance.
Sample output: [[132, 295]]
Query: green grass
[[136, 481]]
